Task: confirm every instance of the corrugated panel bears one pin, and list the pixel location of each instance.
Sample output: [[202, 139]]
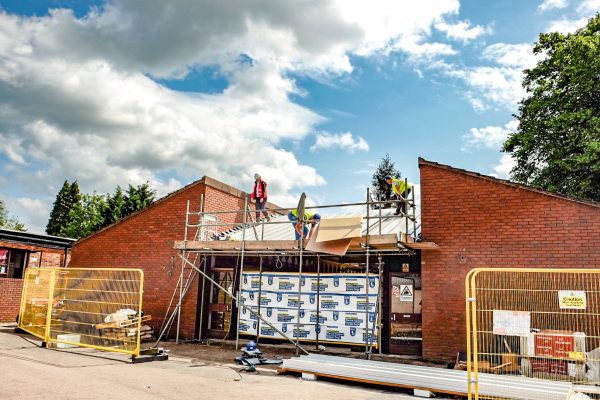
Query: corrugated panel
[[434, 379], [280, 228]]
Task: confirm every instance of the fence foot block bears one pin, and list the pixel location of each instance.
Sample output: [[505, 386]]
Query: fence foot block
[[149, 358]]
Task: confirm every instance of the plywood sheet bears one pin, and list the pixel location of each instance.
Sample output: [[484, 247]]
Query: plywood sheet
[[337, 247], [338, 228]]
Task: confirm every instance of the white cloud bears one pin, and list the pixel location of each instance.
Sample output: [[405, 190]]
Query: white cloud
[[506, 164], [511, 55], [552, 5], [344, 141], [588, 7], [79, 101], [497, 86], [577, 18], [489, 137], [462, 31], [566, 25], [33, 213]]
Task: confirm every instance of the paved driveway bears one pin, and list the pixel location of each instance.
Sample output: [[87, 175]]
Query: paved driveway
[[31, 372]]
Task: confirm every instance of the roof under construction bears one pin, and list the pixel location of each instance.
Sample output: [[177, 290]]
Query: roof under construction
[[380, 230]]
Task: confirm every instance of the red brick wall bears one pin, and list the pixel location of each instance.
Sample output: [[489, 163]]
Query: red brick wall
[[481, 222], [145, 241], [10, 289], [11, 298]]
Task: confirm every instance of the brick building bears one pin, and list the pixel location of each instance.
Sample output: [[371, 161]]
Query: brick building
[[476, 220], [22, 250], [481, 221]]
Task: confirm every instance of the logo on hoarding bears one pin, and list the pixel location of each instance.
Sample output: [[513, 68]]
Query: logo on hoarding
[[245, 279], [269, 311], [301, 313], [270, 280], [254, 325], [352, 331], [371, 317], [284, 328], [318, 329], [302, 281], [336, 315], [279, 297], [372, 282], [312, 299], [251, 296], [336, 282], [346, 300]]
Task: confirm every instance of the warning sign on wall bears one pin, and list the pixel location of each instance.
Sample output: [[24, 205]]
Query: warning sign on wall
[[406, 293], [572, 299]]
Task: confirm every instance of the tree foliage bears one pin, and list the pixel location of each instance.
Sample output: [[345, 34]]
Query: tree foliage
[[137, 198], [86, 216], [9, 222], [114, 207], [77, 215], [66, 198], [381, 190], [557, 143]]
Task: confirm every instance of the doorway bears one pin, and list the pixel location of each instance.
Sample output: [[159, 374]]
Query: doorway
[[219, 305], [405, 327]]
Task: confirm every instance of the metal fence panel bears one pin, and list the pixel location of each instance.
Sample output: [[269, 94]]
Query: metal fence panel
[[86, 307], [540, 327]]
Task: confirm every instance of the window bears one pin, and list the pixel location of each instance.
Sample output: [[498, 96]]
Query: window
[[12, 263]]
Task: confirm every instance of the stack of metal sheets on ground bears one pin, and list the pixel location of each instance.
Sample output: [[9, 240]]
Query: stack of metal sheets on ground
[[428, 378]]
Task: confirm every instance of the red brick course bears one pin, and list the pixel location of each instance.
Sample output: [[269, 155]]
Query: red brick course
[[11, 298], [484, 222]]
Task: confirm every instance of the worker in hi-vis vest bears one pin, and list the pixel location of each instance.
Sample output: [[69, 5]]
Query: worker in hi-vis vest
[[400, 189], [310, 218]]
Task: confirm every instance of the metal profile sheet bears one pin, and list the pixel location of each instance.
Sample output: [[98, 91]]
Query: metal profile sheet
[[326, 317], [434, 379]]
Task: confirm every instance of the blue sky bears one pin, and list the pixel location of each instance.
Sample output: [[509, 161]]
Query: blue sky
[[309, 94]]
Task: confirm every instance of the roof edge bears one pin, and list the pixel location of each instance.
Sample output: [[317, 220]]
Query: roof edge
[[506, 182], [206, 180]]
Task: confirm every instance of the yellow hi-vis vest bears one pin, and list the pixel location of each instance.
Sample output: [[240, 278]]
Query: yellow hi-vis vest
[[399, 186], [307, 214]]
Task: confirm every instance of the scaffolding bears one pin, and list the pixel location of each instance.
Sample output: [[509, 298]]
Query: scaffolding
[[373, 243]]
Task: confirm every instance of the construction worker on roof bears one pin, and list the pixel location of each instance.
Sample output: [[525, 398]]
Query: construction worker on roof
[[400, 189], [259, 193], [309, 217]]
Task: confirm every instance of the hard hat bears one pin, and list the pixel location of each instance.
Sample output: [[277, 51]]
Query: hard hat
[[251, 345], [387, 177], [317, 216]]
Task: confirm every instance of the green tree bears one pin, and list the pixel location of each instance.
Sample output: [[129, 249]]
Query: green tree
[[137, 198], [380, 189], [86, 216], [557, 143], [9, 222], [66, 198], [115, 206]]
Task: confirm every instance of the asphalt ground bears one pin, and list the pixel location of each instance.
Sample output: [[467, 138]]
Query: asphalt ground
[[32, 372]]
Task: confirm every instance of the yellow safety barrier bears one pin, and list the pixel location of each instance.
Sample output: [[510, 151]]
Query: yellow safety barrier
[[86, 307], [533, 333]]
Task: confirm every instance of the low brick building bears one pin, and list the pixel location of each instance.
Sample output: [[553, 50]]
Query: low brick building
[[22, 250], [475, 221], [481, 221]]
